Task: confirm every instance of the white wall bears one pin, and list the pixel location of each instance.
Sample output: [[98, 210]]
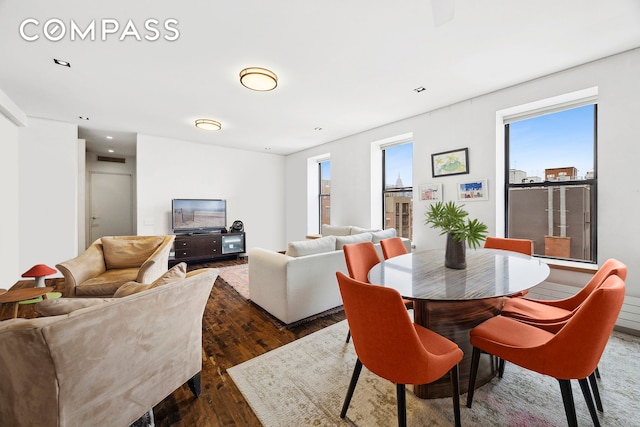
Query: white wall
[[9, 214], [48, 191], [472, 124], [252, 183]]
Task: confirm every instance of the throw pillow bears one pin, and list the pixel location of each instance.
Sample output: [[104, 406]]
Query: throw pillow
[[310, 247], [356, 238], [383, 234], [130, 288], [174, 274], [58, 306], [128, 252], [359, 230], [335, 230]]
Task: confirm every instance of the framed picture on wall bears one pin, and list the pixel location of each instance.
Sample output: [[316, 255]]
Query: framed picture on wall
[[454, 162], [430, 192], [473, 190]]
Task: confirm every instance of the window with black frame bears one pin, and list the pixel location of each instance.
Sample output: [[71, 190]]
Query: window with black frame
[[397, 167], [551, 181], [324, 192]]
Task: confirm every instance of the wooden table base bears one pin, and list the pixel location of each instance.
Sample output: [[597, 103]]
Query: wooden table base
[[454, 320]]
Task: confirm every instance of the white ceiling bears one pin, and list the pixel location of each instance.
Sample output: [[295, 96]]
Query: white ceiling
[[344, 66]]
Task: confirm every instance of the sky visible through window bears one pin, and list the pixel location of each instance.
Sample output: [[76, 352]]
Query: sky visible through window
[[556, 140], [399, 163]]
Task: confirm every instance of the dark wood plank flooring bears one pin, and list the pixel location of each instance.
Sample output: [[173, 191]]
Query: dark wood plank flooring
[[234, 330]]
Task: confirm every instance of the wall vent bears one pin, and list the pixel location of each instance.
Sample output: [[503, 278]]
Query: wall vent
[[111, 159]]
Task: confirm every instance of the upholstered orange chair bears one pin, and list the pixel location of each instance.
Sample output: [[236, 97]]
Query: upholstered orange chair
[[524, 246], [391, 346], [360, 257], [572, 353], [552, 315], [392, 247]]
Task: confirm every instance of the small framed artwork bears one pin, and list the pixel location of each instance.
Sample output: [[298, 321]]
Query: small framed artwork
[[430, 192], [473, 190], [454, 162]]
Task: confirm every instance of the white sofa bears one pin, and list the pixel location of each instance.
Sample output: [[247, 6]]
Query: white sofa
[[302, 282]]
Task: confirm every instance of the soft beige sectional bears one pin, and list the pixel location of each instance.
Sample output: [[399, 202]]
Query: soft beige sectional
[[302, 282]]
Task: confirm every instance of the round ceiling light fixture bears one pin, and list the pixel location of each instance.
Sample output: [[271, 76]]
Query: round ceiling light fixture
[[208, 124], [259, 79]]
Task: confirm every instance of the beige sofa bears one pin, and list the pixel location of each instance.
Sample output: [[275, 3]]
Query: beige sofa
[[112, 261], [302, 282], [107, 363]]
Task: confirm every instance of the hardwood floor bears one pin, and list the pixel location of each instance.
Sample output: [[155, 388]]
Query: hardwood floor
[[234, 330]]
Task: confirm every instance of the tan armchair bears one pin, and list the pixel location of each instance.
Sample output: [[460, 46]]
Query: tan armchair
[[112, 261]]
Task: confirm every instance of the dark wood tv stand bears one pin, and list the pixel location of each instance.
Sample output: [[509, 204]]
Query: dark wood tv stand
[[206, 246]]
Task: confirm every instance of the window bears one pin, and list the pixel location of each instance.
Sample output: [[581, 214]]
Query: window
[[397, 167], [551, 182], [324, 192]]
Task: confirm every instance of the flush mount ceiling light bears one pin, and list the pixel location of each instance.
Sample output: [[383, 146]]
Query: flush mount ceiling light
[[259, 79], [208, 124]]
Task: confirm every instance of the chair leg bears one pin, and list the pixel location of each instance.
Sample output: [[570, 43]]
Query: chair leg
[[402, 405], [352, 387], [475, 360], [500, 368], [597, 373], [195, 384], [348, 336], [567, 400], [455, 388], [586, 392], [596, 391]]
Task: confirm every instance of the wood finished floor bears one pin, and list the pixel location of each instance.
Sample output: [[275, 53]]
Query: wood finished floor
[[234, 330]]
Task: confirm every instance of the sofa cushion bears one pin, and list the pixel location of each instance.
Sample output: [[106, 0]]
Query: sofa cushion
[[376, 236], [107, 283], [174, 274], [336, 230], [312, 246], [356, 238], [58, 306], [128, 253], [360, 230]]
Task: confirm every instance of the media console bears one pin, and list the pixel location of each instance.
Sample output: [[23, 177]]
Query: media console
[[206, 246]]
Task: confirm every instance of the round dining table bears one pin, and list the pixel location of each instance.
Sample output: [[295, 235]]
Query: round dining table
[[451, 302]]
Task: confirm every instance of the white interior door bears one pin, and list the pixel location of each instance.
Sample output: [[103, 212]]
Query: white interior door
[[111, 205]]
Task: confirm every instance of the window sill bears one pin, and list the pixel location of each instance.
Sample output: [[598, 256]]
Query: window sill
[[579, 267]]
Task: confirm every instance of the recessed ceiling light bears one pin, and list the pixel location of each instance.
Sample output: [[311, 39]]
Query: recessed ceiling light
[[111, 150], [109, 137], [267, 148], [83, 118], [208, 124], [260, 79], [419, 89], [62, 63]]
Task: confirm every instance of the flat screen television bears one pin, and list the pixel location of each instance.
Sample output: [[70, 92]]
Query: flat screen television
[[198, 215]]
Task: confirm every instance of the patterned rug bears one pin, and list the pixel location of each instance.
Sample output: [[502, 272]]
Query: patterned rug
[[304, 383], [237, 276]]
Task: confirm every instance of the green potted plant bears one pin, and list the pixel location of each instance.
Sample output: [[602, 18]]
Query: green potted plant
[[454, 221]]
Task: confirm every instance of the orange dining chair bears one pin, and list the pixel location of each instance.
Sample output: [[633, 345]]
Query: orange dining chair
[[572, 353], [360, 257], [523, 246], [393, 246], [552, 315], [390, 345]]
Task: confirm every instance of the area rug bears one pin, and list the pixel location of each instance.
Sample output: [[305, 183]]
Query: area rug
[[237, 276], [304, 383]]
